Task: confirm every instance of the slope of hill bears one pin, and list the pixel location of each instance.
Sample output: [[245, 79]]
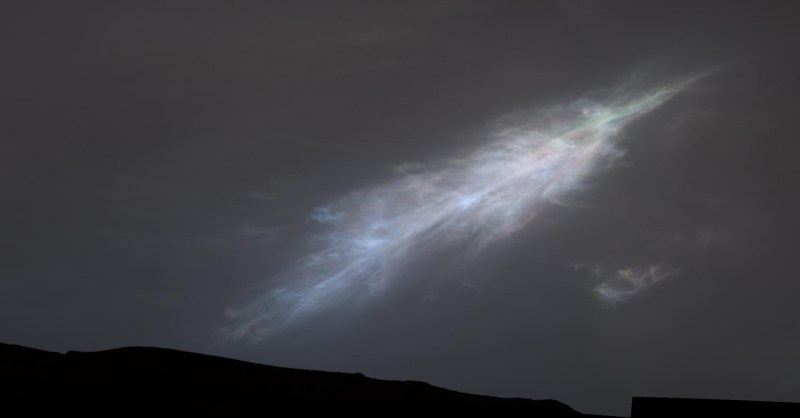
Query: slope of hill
[[153, 380]]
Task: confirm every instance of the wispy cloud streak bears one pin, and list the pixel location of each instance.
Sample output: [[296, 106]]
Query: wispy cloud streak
[[628, 282], [368, 238]]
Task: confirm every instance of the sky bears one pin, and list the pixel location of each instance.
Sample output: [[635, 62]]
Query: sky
[[577, 200]]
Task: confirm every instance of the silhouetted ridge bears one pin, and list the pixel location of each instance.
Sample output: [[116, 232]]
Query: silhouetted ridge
[[144, 380], [679, 407]]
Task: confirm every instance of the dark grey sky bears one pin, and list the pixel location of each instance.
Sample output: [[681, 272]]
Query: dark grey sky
[[156, 160]]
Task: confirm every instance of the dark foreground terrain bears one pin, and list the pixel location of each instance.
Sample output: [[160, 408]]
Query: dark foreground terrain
[[139, 380]]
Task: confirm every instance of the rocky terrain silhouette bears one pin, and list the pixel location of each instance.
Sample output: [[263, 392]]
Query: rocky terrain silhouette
[[144, 380]]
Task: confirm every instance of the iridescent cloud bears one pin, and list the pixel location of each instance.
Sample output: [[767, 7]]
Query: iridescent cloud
[[365, 240]]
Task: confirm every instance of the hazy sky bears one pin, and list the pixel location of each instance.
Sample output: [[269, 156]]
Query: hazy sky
[[165, 165]]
